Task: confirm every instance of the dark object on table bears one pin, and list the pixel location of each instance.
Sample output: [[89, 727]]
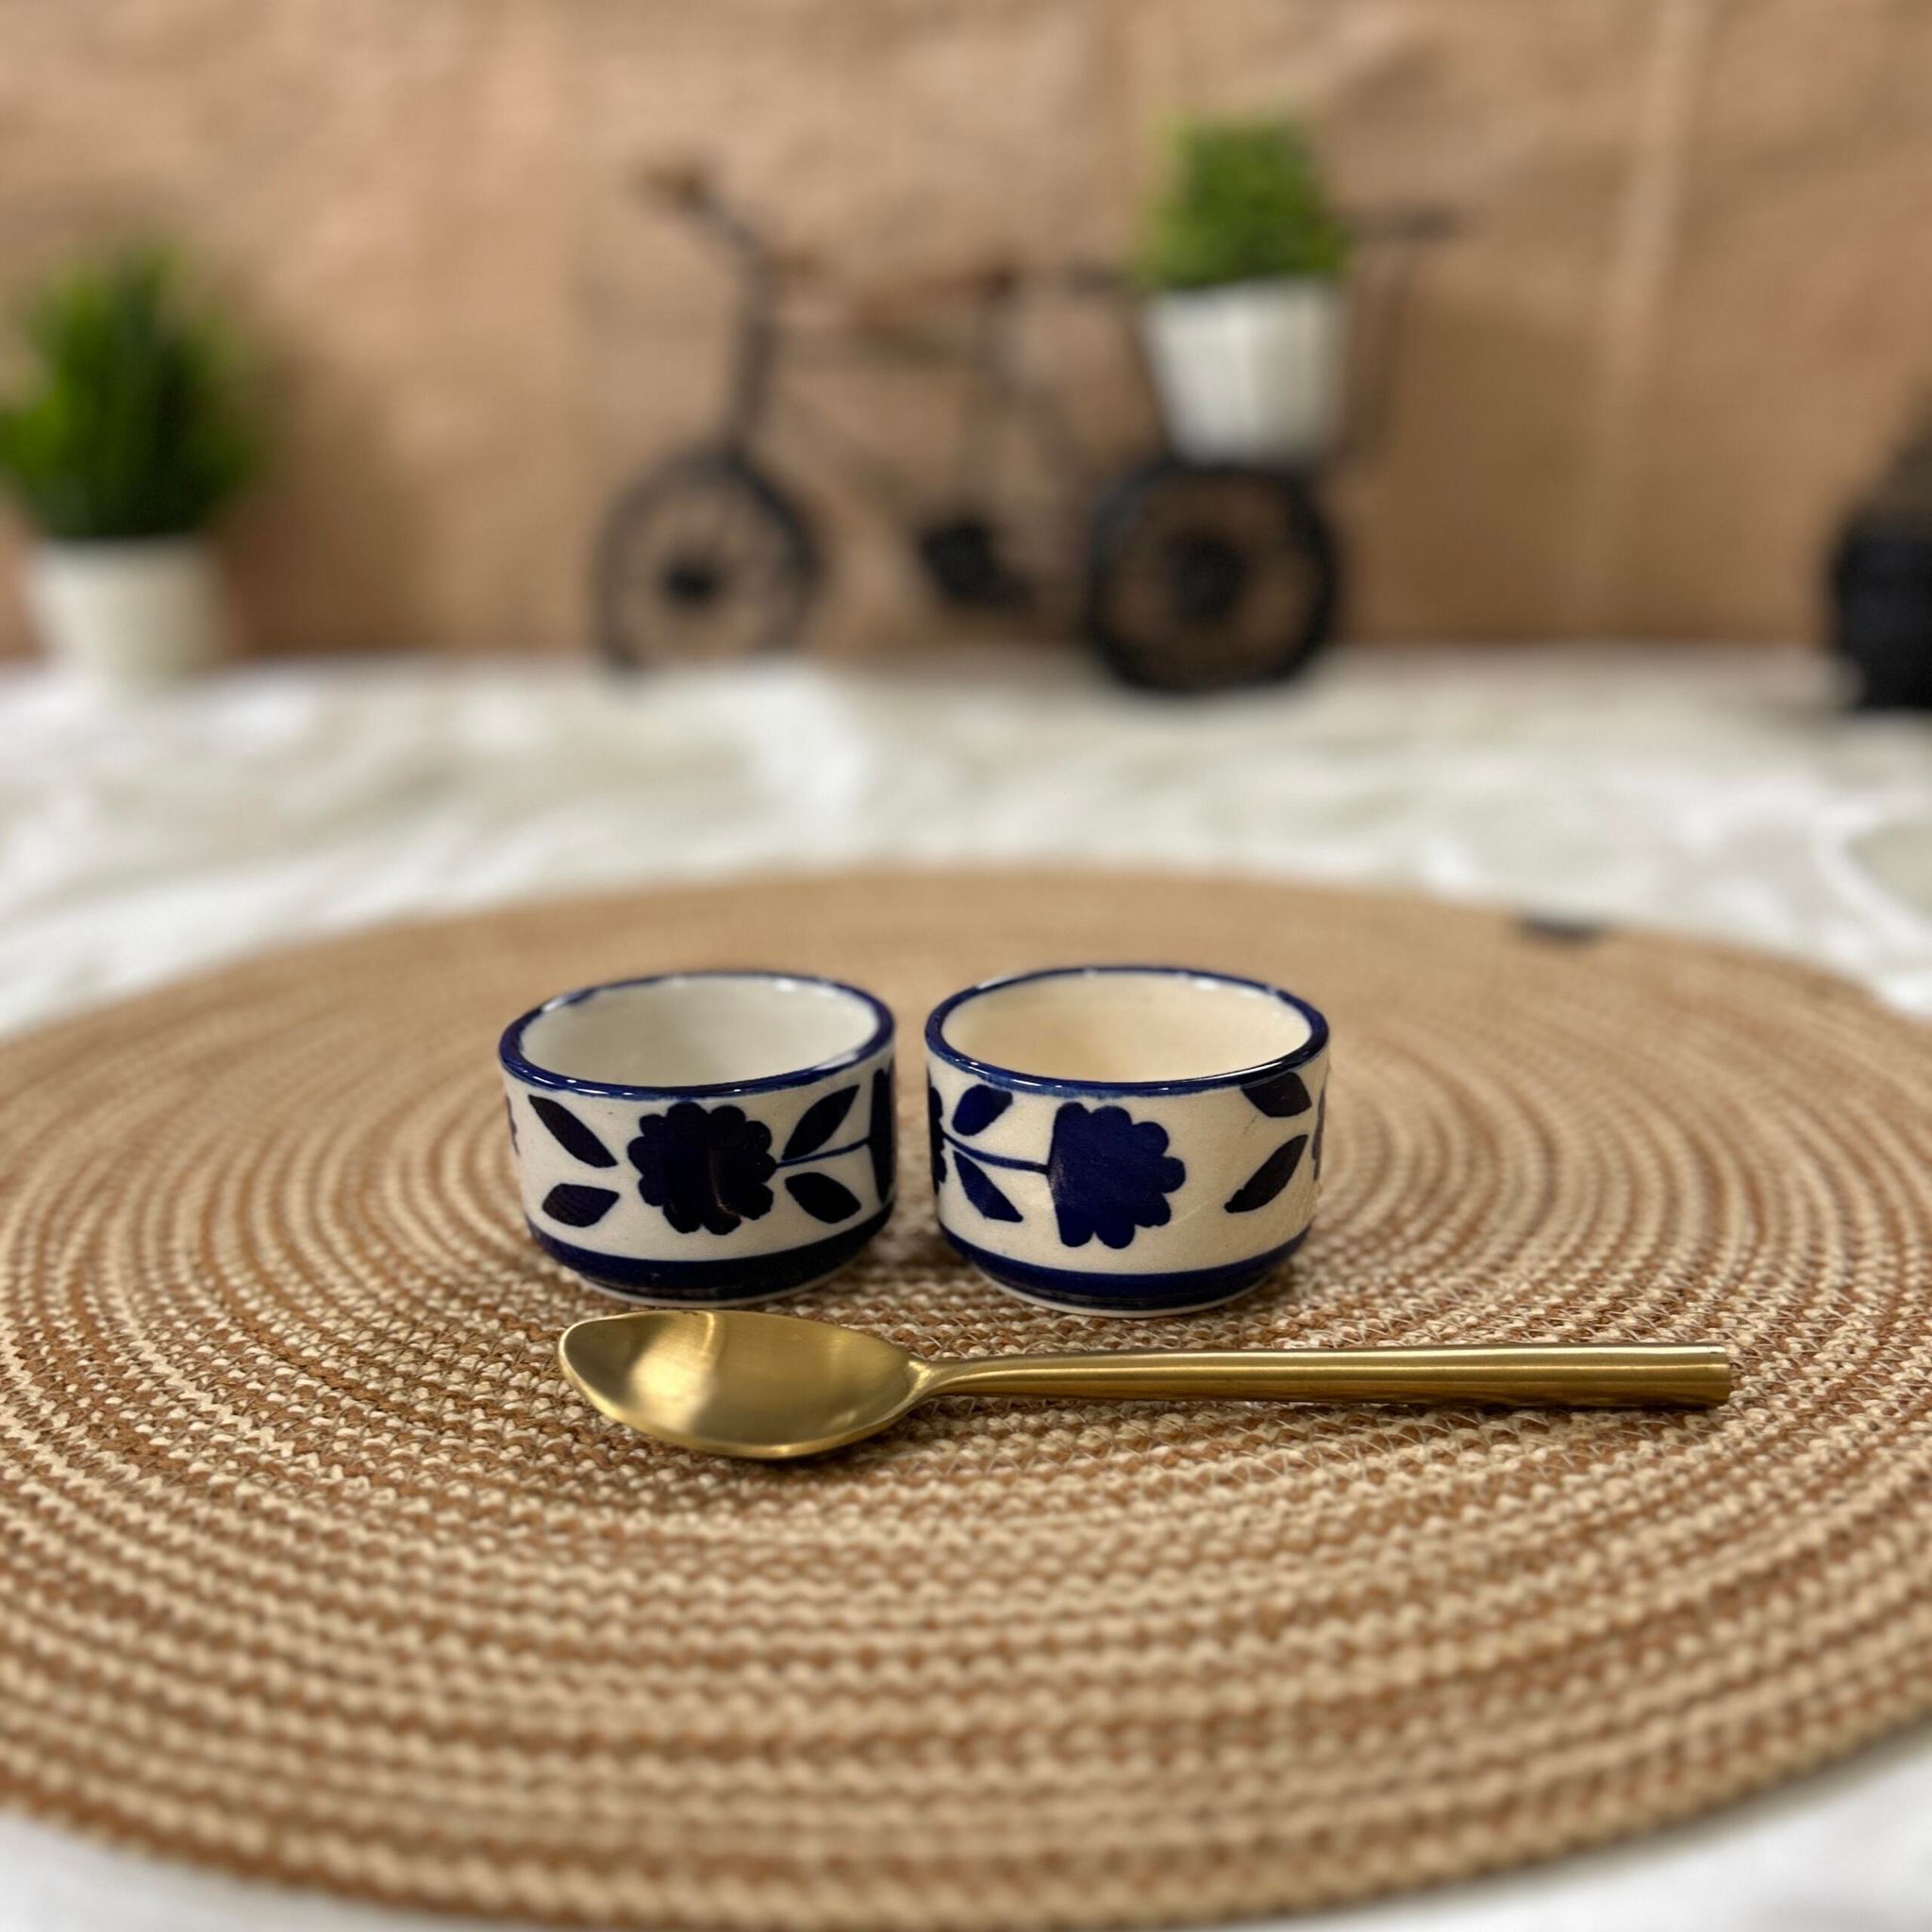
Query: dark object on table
[[1196, 577], [1881, 585], [1560, 929]]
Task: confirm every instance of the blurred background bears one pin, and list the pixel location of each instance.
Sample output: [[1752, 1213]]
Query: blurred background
[[1683, 319]]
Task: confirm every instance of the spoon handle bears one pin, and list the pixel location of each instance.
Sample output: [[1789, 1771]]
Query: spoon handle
[[1692, 1375]]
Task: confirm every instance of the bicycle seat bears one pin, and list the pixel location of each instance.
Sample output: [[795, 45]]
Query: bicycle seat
[[796, 264], [885, 310], [682, 183]]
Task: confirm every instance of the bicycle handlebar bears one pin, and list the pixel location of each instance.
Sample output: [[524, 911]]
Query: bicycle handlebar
[[687, 186], [1408, 226]]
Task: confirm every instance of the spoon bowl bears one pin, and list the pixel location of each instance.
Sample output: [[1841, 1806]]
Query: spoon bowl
[[735, 1384], [775, 1387]]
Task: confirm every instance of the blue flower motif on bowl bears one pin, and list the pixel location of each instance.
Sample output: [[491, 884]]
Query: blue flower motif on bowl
[[1108, 1174], [709, 1168], [705, 1167]]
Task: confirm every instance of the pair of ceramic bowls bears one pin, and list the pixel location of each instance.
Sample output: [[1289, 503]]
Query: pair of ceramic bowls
[[1116, 1139]]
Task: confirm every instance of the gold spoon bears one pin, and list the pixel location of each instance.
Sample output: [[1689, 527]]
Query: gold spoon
[[775, 1387]]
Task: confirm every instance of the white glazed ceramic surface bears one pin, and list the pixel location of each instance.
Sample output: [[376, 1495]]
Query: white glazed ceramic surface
[[123, 616], [1251, 373], [715, 1138], [1126, 1139]]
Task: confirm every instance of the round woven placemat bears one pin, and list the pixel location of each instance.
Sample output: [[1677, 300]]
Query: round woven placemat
[[315, 1568]]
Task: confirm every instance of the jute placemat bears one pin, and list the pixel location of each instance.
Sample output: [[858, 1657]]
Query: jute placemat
[[312, 1567]]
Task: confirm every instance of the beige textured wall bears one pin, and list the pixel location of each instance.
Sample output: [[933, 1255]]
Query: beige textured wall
[[1694, 304]]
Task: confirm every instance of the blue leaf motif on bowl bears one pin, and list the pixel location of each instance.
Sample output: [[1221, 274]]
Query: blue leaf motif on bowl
[[571, 1134], [820, 1122], [1280, 1095], [578, 1207], [821, 1197], [881, 1131], [1110, 1174], [936, 1131], [984, 1192], [1267, 1181], [705, 1167], [978, 1108]]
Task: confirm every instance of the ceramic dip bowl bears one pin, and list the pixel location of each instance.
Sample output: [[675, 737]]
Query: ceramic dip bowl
[[709, 1137], [1126, 1140]]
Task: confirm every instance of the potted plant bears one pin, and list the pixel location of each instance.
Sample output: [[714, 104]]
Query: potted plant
[[1245, 318], [134, 435]]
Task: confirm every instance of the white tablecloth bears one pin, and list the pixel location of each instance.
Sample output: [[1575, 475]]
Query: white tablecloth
[[1712, 792]]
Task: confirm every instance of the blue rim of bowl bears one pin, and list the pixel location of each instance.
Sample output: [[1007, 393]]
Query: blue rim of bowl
[[1025, 1082], [509, 1048]]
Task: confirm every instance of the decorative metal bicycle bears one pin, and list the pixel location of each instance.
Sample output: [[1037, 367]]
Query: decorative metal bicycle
[[1194, 577]]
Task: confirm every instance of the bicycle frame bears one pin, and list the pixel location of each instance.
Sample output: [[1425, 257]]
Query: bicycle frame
[[1183, 576], [763, 339], [999, 394], [756, 334]]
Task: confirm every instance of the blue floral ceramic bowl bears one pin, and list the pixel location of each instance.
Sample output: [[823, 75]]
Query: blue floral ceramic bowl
[[702, 1137], [1126, 1140]]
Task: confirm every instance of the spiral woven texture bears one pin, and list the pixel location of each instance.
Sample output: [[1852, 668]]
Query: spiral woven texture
[[315, 1568]]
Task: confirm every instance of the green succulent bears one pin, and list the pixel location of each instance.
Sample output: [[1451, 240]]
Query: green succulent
[[1245, 201], [137, 424]]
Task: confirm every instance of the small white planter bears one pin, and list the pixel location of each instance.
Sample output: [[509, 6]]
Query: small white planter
[[1252, 372], [125, 616]]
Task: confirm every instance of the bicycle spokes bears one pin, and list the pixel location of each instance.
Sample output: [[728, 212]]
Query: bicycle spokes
[[704, 559], [1202, 579]]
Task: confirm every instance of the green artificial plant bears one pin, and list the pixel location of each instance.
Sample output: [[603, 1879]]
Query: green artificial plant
[[1244, 202], [138, 424]]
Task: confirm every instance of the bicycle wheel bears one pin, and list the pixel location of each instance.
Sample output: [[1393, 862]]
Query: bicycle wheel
[[1205, 578], [703, 558]]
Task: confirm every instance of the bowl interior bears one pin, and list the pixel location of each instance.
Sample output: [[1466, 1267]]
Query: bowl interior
[[699, 1030], [1112, 1027]]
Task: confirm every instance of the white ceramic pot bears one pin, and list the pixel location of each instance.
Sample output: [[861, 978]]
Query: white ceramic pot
[[1253, 372], [712, 1139], [129, 615], [1126, 1140]]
